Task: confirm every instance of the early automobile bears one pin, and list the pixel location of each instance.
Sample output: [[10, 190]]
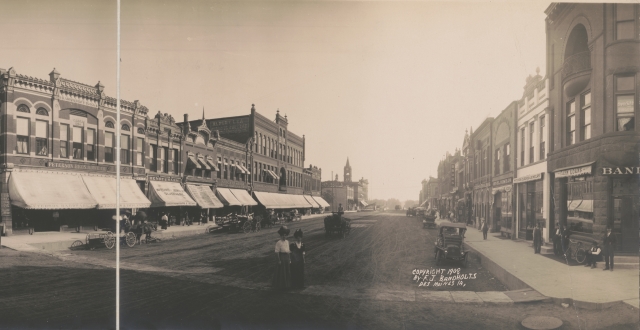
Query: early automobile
[[411, 212], [450, 243], [337, 224], [429, 219]]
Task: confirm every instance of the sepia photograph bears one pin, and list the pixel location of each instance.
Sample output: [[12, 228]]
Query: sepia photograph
[[208, 164]]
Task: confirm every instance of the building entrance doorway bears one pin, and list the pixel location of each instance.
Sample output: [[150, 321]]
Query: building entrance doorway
[[626, 213]]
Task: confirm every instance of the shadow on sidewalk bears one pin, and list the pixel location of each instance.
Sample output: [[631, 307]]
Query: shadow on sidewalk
[[562, 260]]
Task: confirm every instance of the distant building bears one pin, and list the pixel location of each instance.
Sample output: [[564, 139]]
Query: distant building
[[352, 195]]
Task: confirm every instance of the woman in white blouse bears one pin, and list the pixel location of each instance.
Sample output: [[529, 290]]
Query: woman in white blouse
[[282, 277]]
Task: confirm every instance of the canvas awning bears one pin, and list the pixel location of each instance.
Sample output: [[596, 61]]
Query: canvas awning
[[193, 162], [212, 165], [204, 196], [299, 201], [312, 202], [244, 169], [227, 197], [244, 197], [162, 193], [585, 206], [103, 190], [278, 201], [363, 203], [49, 191], [203, 163], [321, 201], [572, 205], [239, 168], [273, 174]]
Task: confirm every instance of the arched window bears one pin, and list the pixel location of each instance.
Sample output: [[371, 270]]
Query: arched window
[[140, 130], [23, 108], [125, 127], [109, 124], [42, 112]]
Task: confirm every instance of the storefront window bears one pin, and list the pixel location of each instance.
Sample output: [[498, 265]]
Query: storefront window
[[91, 141], [78, 143], [108, 147], [64, 141], [42, 141], [580, 204], [22, 132]]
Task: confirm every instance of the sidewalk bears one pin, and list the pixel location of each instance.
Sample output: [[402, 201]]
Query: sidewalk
[[53, 241], [515, 264]]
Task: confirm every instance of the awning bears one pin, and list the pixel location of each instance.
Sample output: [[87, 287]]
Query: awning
[[423, 203], [193, 162], [585, 206], [212, 165], [103, 190], [280, 201], [320, 201], [572, 205], [244, 169], [204, 196], [312, 201], [300, 202], [203, 163], [162, 193], [239, 168], [244, 197], [227, 197], [273, 174], [363, 203], [49, 191]]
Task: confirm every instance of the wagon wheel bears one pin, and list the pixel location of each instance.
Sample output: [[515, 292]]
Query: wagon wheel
[[109, 240], [77, 244], [130, 239], [246, 228], [581, 255]]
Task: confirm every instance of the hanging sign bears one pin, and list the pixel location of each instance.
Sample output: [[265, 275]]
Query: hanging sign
[[526, 178], [584, 170]]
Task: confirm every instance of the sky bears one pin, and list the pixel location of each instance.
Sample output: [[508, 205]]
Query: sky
[[392, 86]]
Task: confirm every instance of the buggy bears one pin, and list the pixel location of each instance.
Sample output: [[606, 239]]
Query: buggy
[[337, 224], [429, 219], [450, 243]]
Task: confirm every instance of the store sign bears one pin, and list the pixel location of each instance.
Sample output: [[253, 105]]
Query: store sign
[[163, 178], [574, 172], [78, 121], [620, 170], [503, 181], [5, 205], [77, 166], [527, 178]]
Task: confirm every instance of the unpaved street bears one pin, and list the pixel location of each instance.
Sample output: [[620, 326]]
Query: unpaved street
[[221, 281]]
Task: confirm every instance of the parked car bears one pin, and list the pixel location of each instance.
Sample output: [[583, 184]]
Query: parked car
[[450, 243]]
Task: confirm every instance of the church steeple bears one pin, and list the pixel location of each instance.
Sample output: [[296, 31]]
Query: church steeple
[[347, 172]]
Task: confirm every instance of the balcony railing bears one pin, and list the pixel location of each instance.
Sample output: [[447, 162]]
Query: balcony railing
[[576, 63]]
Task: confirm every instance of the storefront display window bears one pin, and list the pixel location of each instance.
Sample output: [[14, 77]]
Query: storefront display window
[[580, 204]]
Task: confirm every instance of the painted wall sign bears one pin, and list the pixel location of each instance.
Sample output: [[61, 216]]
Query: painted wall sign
[[233, 125], [620, 170], [164, 178], [77, 166], [503, 181], [584, 170], [527, 178]]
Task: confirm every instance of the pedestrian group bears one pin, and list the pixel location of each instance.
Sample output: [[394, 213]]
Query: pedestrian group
[[289, 272]]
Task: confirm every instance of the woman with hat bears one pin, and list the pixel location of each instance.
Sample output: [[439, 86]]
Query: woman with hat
[[297, 261], [282, 278]]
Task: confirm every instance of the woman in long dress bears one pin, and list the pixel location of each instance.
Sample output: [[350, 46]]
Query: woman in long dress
[[282, 277], [297, 261]]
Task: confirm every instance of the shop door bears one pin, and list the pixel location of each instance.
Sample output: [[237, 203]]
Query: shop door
[[522, 215], [625, 220]]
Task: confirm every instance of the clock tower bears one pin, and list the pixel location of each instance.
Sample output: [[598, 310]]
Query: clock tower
[[347, 172]]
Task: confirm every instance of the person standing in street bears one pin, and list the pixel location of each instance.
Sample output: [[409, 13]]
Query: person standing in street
[[537, 239], [485, 229], [282, 276], [165, 221], [609, 244], [297, 261], [556, 240]]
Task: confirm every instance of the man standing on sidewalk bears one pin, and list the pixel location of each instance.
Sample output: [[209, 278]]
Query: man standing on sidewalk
[[557, 246], [609, 244], [484, 229], [537, 239]]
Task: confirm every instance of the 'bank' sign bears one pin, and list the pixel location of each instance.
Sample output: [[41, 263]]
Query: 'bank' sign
[[620, 170]]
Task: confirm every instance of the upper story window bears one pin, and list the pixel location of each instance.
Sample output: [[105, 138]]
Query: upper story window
[[91, 144], [625, 103], [22, 132], [64, 141], [109, 124], [154, 158], [220, 168], [139, 151], [140, 130], [543, 139], [42, 140], [24, 108], [522, 146], [78, 149], [175, 159], [625, 22], [585, 101], [42, 112], [496, 161], [108, 147], [571, 122], [124, 149], [532, 130], [125, 128], [507, 157]]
